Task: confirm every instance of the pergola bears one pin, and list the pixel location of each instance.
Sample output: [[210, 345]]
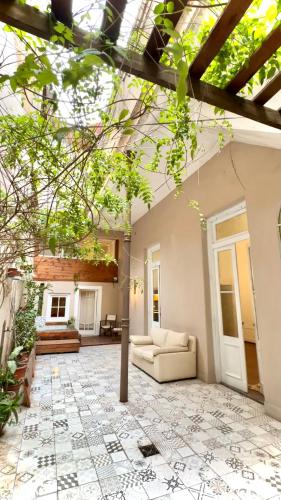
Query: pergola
[[148, 67]]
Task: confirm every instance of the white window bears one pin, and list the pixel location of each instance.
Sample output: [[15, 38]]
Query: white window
[[58, 307]]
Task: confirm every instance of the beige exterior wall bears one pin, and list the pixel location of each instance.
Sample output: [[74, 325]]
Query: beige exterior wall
[[240, 172], [109, 295], [12, 301]]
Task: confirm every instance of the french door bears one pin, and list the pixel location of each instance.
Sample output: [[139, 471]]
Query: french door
[[230, 327]]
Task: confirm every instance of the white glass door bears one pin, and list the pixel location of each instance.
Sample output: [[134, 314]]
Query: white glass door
[[232, 350]]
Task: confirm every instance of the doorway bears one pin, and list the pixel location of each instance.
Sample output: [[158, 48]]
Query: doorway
[[154, 302], [234, 325], [87, 309], [87, 312]]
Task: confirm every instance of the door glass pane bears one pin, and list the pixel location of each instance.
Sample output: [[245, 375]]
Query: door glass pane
[[155, 296], [156, 256], [225, 271], [227, 294], [229, 319], [229, 227], [245, 289]]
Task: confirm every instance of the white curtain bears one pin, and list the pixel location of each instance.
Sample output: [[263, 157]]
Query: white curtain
[[87, 309]]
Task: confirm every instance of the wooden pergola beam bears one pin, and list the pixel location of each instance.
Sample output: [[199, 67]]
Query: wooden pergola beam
[[157, 39], [112, 19], [269, 90], [229, 18], [31, 20], [62, 11], [256, 61]]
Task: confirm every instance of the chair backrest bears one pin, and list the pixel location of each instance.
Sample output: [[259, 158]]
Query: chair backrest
[[111, 317]]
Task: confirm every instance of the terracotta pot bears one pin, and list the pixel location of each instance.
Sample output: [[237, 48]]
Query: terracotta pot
[[12, 272], [23, 360], [15, 387], [20, 372]]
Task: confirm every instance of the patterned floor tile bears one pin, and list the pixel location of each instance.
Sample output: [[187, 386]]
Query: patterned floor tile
[[78, 442]]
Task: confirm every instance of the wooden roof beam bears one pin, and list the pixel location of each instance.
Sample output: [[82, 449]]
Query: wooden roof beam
[[112, 18], [269, 90], [32, 21], [228, 20], [158, 39], [62, 11], [256, 61]]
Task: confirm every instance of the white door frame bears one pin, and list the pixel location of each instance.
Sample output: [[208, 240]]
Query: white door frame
[[213, 245], [97, 304], [150, 266]]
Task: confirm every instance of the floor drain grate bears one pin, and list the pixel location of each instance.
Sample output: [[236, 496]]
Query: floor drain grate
[[148, 450]]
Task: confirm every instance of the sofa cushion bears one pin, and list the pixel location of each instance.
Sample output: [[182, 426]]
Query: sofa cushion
[[176, 339], [159, 336], [146, 352], [141, 340]]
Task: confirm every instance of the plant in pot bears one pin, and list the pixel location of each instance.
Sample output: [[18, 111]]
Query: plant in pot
[[71, 322], [15, 366], [8, 381], [9, 405]]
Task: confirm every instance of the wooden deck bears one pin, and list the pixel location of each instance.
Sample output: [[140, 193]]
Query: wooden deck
[[58, 341], [94, 340]]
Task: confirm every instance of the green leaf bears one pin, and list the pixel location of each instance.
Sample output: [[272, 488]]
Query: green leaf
[[59, 28], [128, 131], [46, 77], [159, 8], [61, 133], [159, 20], [123, 114], [14, 354], [181, 88], [271, 72], [92, 60], [4, 78], [168, 23], [12, 365], [170, 7], [53, 244]]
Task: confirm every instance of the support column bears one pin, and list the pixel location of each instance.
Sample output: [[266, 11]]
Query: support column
[[125, 288]]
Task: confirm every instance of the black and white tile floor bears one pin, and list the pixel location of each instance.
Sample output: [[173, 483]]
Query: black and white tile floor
[[78, 442]]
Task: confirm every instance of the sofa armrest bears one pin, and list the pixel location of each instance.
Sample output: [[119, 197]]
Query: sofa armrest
[[141, 340], [192, 343], [169, 349]]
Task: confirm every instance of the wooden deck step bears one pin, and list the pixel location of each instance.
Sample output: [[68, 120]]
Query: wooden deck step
[[57, 346], [58, 334]]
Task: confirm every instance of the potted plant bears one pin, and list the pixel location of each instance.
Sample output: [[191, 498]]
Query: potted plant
[[12, 272], [8, 381], [17, 369], [9, 405]]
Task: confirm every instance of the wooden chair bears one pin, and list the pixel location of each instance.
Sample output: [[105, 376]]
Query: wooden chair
[[117, 329], [107, 324]]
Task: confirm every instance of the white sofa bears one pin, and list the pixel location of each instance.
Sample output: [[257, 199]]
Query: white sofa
[[165, 355]]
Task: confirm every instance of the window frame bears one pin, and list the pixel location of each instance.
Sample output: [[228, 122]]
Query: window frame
[[57, 319]]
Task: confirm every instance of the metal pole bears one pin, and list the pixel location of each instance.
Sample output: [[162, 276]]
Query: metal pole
[[125, 277]]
